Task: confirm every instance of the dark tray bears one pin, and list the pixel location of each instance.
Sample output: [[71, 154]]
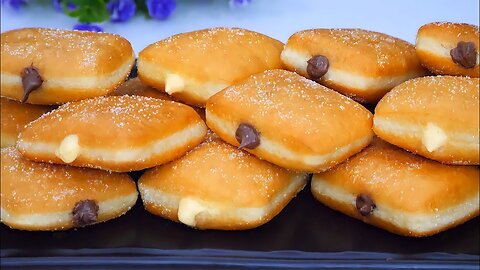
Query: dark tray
[[305, 234]]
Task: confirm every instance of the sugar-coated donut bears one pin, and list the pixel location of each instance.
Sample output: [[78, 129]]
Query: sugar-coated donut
[[40, 196], [217, 186], [436, 117], [134, 87], [14, 116], [449, 48], [290, 121], [118, 133], [195, 65], [400, 192], [52, 66], [358, 63]]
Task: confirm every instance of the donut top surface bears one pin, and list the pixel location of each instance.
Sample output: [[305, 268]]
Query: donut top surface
[[114, 122], [63, 53], [16, 115], [305, 114], [451, 33], [394, 178], [134, 87], [452, 101], [220, 173], [358, 51], [220, 55], [29, 187]]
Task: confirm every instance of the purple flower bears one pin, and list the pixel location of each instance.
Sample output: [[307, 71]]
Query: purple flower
[[87, 27], [121, 10], [239, 3], [57, 4], [160, 9], [15, 4]]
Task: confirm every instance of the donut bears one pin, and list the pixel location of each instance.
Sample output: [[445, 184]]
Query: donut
[[195, 65], [217, 186], [14, 116], [435, 116], [447, 48], [134, 87], [47, 197], [117, 133], [52, 66], [400, 192], [358, 63], [290, 121]]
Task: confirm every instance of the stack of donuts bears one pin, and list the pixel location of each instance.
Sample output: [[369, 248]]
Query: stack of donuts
[[227, 125]]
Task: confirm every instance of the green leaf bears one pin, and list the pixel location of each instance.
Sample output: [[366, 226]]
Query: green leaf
[[88, 10], [142, 7]]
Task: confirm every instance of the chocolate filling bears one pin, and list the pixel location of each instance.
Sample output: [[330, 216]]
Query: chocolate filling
[[317, 66], [85, 213], [364, 204], [465, 54], [247, 136], [31, 80]]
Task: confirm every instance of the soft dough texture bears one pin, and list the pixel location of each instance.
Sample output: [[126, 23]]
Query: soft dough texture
[[216, 186], [14, 117], [41, 196], [436, 117], [436, 40], [362, 64], [118, 133], [302, 125], [413, 196], [195, 65], [74, 65]]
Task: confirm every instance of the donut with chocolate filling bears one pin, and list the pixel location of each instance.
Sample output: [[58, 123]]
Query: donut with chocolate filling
[[447, 48], [46, 197], [400, 192]]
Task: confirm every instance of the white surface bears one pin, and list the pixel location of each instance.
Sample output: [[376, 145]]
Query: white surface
[[276, 18]]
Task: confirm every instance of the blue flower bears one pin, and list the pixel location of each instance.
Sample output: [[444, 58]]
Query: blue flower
[[160, 9], [15, 4], [121, 10], [57, 4], [239, 3], [87, 27]]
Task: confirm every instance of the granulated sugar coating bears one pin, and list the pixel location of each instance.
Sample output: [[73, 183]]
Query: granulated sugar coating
[[218, 172], [457, 95], [29, 187], [359, 51], [218, 55], [113, 122], [282, 104], [63, 53]]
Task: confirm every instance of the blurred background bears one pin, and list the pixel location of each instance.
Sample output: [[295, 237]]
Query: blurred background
[[276, 18]]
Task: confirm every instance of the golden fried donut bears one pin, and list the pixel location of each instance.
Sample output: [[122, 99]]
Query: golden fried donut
[[449, 48], [45, 197], [400, 192], [14, 116], [290, 121], [217, 186], [118, 133], [193, 66], [436, 117], [52, 66], [358, 63]]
